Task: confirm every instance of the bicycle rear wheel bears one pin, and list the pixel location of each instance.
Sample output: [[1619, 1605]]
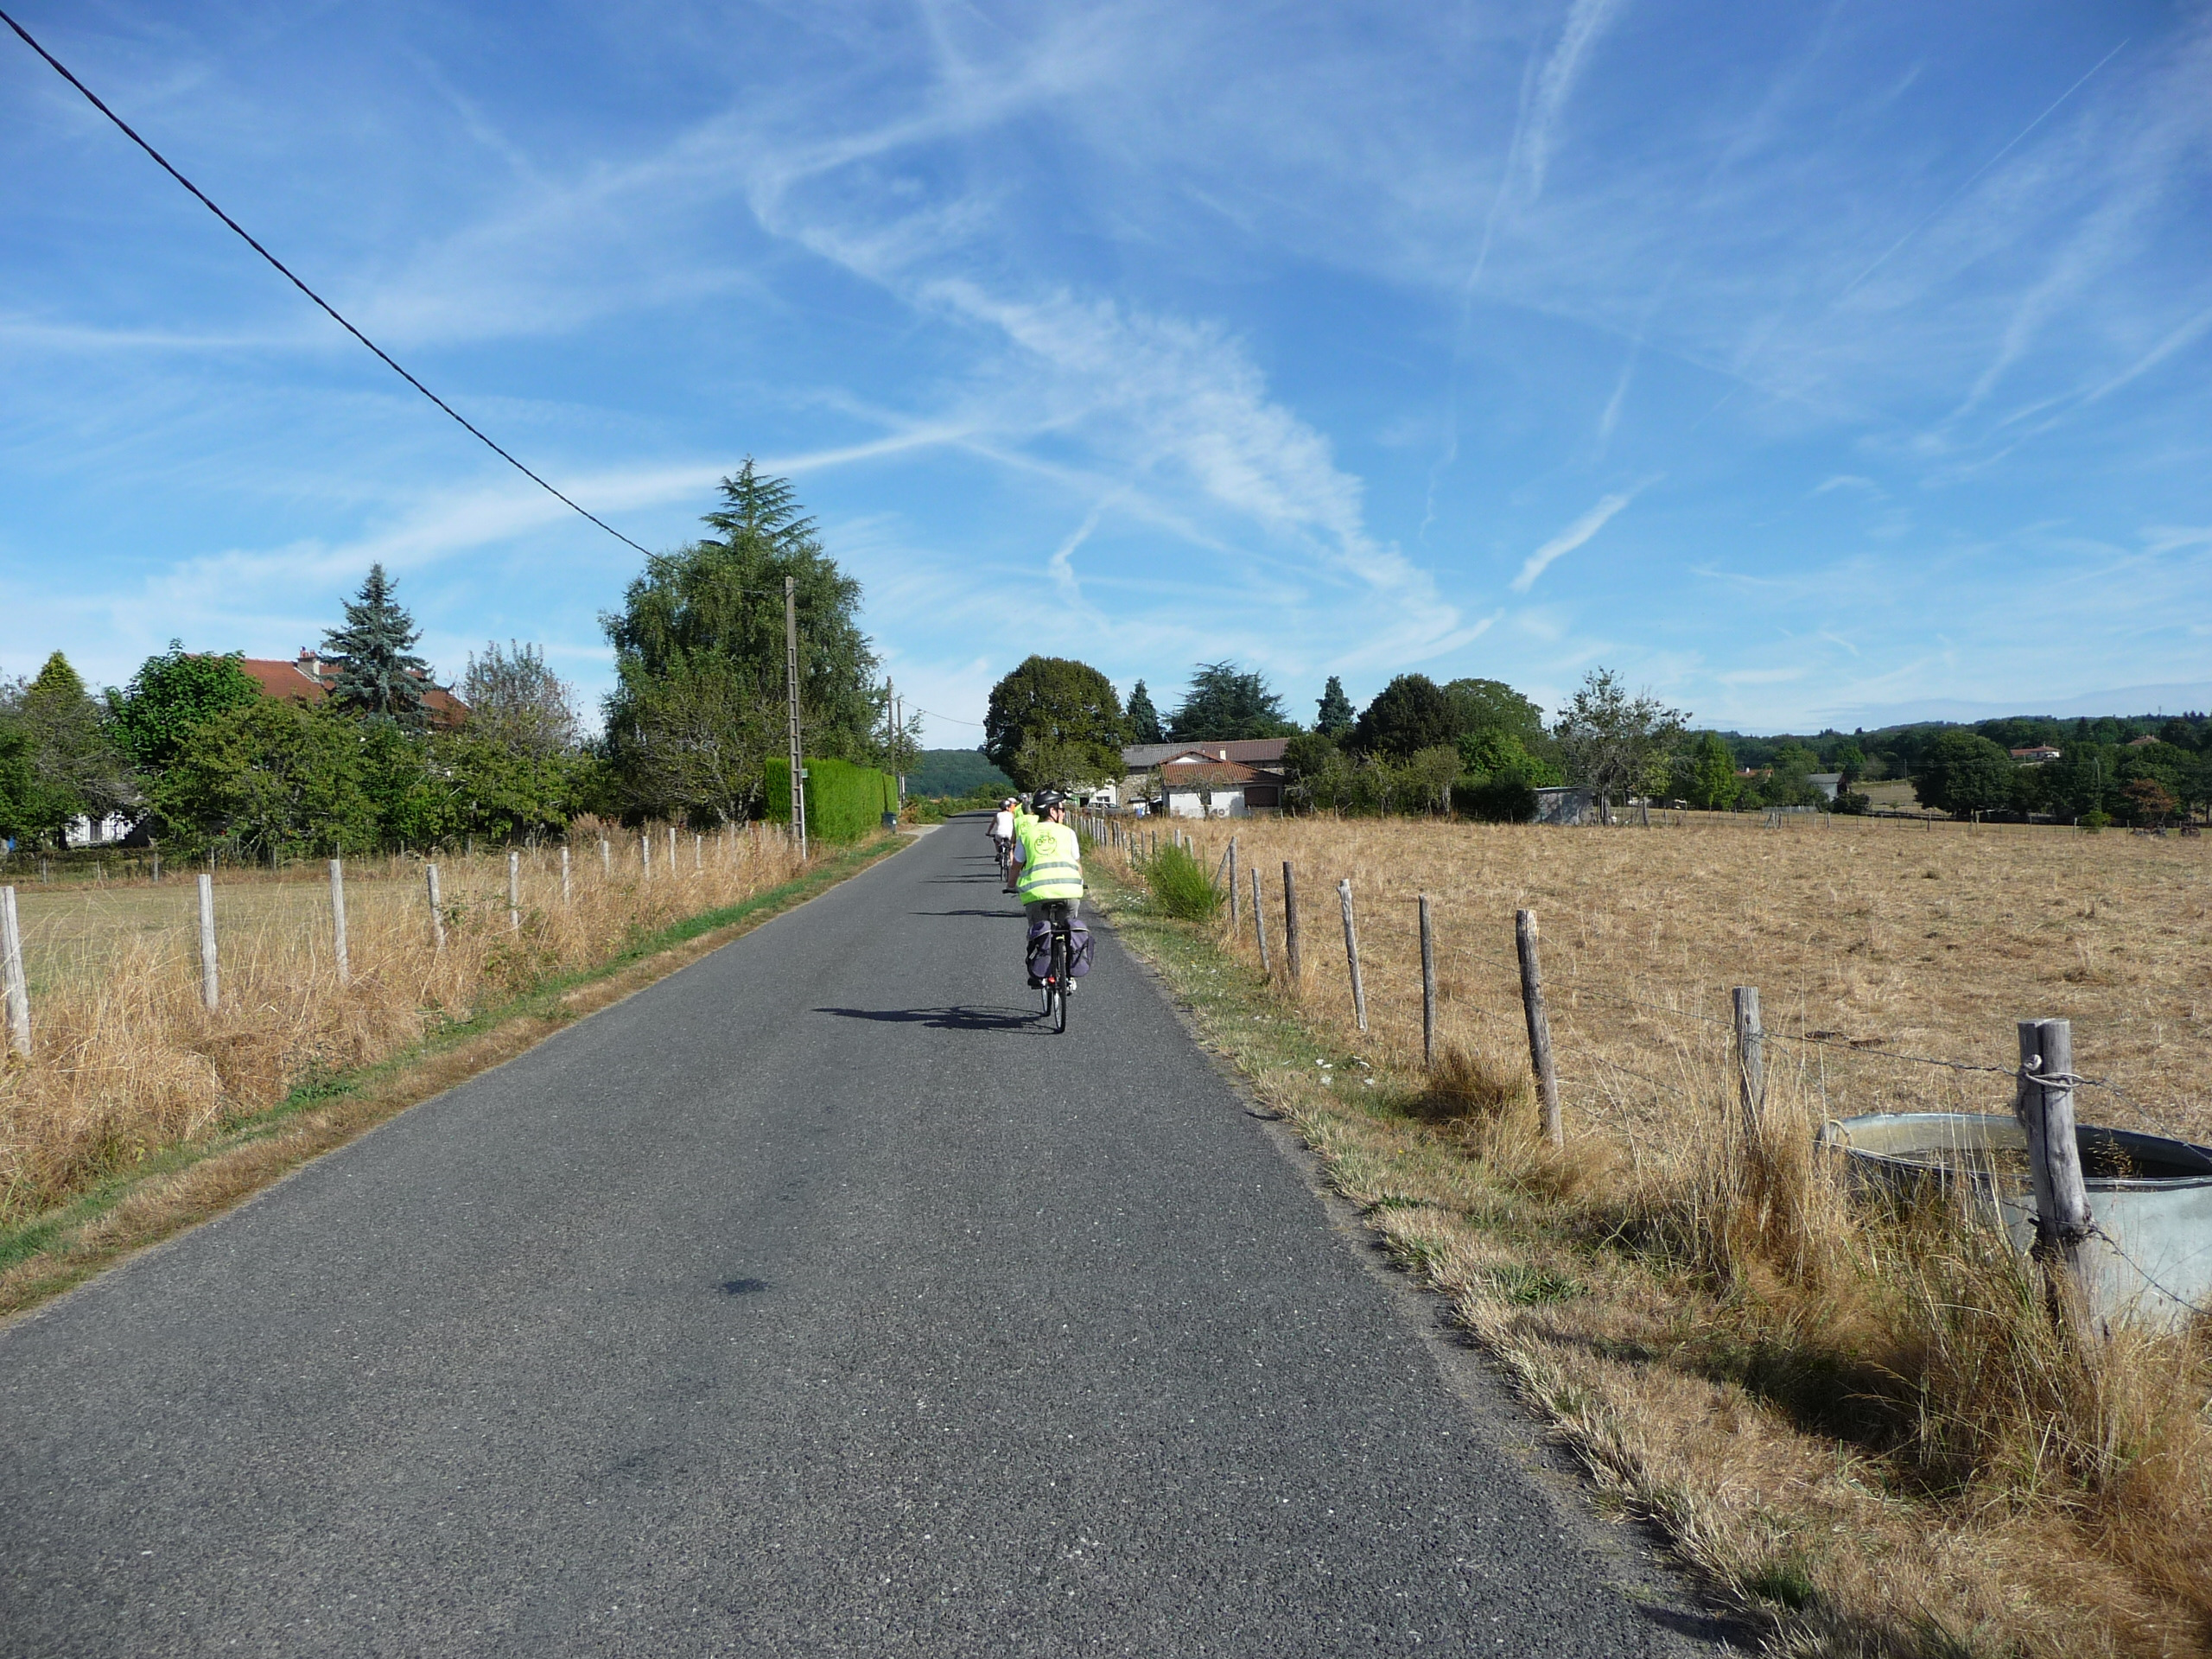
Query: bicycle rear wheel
[[1059, 979]]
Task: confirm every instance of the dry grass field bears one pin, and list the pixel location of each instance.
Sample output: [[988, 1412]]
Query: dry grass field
[[1880, 938], [126, 1060], [1862, 1427]]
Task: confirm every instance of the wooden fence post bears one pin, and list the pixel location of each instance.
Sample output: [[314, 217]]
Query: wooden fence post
[[437, 908], [606, 861], [1751, 1067], [1291, 958], [1352, 954], [17, 989], [1235, 921], [1428, 988], [567, 894], [2045, 1105], [208, 985], [645, 853], [338, 920], [514, 891], [1259, 919], [1540, 1029], [157, 866], [672, 849]]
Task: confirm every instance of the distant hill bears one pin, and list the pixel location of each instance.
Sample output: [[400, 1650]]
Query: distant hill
[[945, 773]]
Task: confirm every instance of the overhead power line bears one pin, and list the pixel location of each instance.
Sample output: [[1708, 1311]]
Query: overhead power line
[[92, 97]]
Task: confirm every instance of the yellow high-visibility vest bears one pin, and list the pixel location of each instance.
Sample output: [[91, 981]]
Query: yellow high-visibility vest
[[1051, 862]]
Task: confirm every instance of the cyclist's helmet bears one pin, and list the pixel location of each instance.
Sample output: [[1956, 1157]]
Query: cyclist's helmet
[[1045, 799]]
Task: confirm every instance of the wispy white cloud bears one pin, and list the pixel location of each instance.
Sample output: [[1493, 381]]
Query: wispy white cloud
[[1575, 535]]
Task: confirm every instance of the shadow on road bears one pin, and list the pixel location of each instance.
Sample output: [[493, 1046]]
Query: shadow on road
[[944, 1019]]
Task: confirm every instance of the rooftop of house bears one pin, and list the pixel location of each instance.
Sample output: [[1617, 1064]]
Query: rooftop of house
[[1251, 751], [308, 678], [1187, 774]]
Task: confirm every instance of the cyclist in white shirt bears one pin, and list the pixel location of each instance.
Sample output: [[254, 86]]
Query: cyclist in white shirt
[[1002, 830]]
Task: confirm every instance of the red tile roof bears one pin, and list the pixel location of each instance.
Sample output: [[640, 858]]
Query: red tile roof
[[308, 678]]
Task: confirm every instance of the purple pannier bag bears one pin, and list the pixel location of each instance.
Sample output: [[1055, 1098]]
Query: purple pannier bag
[[1041, 949]]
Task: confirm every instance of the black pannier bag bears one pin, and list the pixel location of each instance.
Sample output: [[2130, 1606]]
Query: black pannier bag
[[1041, 949]]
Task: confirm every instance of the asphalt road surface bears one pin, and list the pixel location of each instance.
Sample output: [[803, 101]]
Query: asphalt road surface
[[818, 1299]]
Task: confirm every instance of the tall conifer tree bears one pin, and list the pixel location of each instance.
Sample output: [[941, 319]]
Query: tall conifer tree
[[1143, 718], [378, 674]]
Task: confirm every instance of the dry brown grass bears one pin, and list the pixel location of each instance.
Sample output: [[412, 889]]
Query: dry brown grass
[[126, 1060], [1860, 1424]]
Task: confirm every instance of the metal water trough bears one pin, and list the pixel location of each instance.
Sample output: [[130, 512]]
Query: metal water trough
[[2149, 1197]]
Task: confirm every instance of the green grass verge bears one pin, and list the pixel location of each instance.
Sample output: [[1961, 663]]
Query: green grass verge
[[51, 1229]]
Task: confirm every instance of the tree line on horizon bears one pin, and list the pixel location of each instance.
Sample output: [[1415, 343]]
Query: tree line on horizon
[[195, 753], [1480, 747]]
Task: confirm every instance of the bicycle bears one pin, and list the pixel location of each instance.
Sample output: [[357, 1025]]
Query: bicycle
[[1058, 981]]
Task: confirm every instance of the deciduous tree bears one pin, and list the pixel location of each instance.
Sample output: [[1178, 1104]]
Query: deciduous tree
[[1615, 743], [1407, 716], [1054, 723], [699, 700], [72, 767], [153, 717], [1705, 774], [516, 701], [1962, 773]]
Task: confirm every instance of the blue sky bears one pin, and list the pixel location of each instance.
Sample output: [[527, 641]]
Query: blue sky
[[1806, 364]]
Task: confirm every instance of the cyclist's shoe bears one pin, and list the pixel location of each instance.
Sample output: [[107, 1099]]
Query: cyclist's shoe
[[1035, 983]]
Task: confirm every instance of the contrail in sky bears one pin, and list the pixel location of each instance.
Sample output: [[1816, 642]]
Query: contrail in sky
[[1940, 206]]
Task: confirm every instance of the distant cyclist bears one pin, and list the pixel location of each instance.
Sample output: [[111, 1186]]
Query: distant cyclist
[[1023, 819], [1002, 831]]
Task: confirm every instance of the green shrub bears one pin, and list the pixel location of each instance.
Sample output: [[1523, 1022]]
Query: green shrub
[[1500, 800], [844, 802], [1180, 885]]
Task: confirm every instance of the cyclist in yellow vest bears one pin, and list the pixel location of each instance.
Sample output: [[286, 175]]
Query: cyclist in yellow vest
[[1047, 864], [1024, 821]]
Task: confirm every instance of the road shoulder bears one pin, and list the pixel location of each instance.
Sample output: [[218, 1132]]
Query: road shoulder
[[176, 1189]]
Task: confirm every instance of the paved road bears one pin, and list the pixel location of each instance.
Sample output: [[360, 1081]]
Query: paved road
[[815, 1300]]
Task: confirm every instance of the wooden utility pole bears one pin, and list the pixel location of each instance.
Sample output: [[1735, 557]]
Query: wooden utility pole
[[2045, 1106], [1351, 955], [790, 695], [338, 920], [11, 965], [1540, 1029], [1751, 1066], [1427, 989], [1291, 958]]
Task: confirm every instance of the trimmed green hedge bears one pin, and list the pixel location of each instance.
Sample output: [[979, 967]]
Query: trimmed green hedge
[[844, 802]]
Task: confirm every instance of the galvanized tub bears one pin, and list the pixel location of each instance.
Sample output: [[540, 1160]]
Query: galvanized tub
[[2151, 1197]]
